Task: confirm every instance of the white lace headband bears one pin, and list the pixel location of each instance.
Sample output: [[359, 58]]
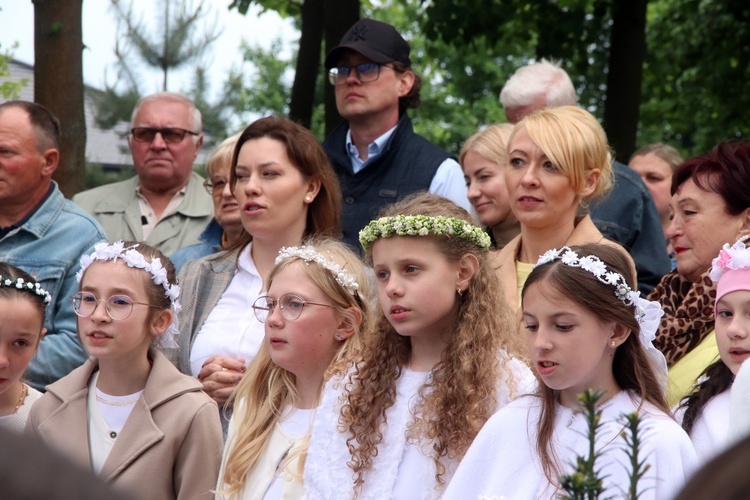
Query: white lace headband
[[133, 258], [310, 254], [26, 286], [647, 313]]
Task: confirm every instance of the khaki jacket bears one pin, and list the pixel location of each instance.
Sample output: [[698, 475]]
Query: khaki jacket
[[505, 260], [115, 206], [169, 448]]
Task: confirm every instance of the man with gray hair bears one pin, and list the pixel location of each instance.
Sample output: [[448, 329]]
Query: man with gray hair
[[165, 204], [627, 214]]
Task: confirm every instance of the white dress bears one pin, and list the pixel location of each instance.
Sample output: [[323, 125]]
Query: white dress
[[400, 470], [710, 432], [502, 463]]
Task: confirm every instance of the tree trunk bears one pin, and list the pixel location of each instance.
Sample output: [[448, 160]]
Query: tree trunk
[[626, 56], [340, 15], [58, 82], [308, 63]]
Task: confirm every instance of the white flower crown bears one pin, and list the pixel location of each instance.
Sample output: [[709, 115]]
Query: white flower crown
[[26, 286], [422, 225], [133, 258], [310, 254], [730, 259], [647, 313]]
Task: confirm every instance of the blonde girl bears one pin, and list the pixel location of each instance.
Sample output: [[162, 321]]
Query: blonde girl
[[22, 304], [586, 329], [313, 312], [705, 414], [431, 372], [128, 414]]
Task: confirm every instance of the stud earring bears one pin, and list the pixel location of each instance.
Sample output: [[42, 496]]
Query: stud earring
[[612, 344], [338, 337], [307, 199]]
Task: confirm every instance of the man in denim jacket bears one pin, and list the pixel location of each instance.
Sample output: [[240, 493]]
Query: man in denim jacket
[[41, 232]]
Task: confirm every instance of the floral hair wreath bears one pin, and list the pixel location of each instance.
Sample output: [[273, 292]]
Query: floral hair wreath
[[133, 258], [422, 225], [647, 313], [731, 258], [310, 254], [26, 286]]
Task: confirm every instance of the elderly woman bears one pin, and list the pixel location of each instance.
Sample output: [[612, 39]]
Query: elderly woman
[[559, 161], [226, 227], [710, 207], [484, 158], [286, 191], [655, 164]]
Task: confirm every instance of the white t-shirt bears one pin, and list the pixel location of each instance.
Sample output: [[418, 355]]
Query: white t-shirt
[[231, 328]]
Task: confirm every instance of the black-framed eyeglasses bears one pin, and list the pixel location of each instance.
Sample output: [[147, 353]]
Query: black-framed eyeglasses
[[291, 306], [215, 185], [117, 306], [365, 72], [171, 135]]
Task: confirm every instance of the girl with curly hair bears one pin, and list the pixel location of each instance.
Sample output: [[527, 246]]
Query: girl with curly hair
[[705, 413], [436, 366], [586, 329], [314, 310]]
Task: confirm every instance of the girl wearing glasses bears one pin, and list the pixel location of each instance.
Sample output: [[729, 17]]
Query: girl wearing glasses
[[127, 413], [434, 368], [22, 305], [313, 312], [286, 191]]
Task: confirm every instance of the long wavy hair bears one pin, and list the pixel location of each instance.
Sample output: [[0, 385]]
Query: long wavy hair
[[631, 366], [461, 394], [267, 389]]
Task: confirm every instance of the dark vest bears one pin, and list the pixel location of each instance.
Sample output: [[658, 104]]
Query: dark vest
[[406, 165]]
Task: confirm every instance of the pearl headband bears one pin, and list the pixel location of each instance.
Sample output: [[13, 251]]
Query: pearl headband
[[310, 254], [133, 258], [647, 313]]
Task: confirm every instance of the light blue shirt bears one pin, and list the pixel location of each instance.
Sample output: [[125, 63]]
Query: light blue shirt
[[448, 181]]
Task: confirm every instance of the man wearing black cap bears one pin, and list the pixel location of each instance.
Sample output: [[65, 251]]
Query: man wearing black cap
[[375, 152]]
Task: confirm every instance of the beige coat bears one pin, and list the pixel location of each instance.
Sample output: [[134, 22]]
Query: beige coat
[[505, 260], [170, 446]]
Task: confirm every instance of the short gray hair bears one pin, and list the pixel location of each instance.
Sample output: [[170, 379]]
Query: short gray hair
[[542, 79], [195, 113]]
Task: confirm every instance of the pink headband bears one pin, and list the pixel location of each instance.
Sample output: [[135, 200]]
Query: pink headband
[[731, 269]]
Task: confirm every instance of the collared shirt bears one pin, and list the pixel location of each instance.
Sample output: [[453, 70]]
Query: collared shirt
[[20, 223], [448, 181], [148, 217]]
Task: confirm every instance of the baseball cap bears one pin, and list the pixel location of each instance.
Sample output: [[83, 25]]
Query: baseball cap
[[377, 41]]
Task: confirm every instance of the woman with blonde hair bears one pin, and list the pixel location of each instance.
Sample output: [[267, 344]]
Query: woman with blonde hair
[[559, 162], [484, 158], [313, 312]]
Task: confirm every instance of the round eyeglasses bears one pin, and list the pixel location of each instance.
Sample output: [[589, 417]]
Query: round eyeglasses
[[215, 186], [118, 306], [366, 72], [171, 135], [291, 306]]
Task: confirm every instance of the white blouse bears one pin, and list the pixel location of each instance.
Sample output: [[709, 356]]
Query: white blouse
[[231, 328]]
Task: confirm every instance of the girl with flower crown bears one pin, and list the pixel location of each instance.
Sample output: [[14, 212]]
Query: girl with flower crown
[[705, 413], [313, 311], [433, 369], [127, 413], [586, 329], [22, 305]]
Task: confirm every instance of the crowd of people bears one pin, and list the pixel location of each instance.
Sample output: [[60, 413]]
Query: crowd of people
[[370, 317]]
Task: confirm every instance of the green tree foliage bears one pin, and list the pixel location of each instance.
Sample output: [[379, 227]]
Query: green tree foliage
[[9, 89]]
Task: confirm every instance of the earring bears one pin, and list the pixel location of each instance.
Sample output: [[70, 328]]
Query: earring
[[459, 292], [612, 343], [307, 199], [338, 337]]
